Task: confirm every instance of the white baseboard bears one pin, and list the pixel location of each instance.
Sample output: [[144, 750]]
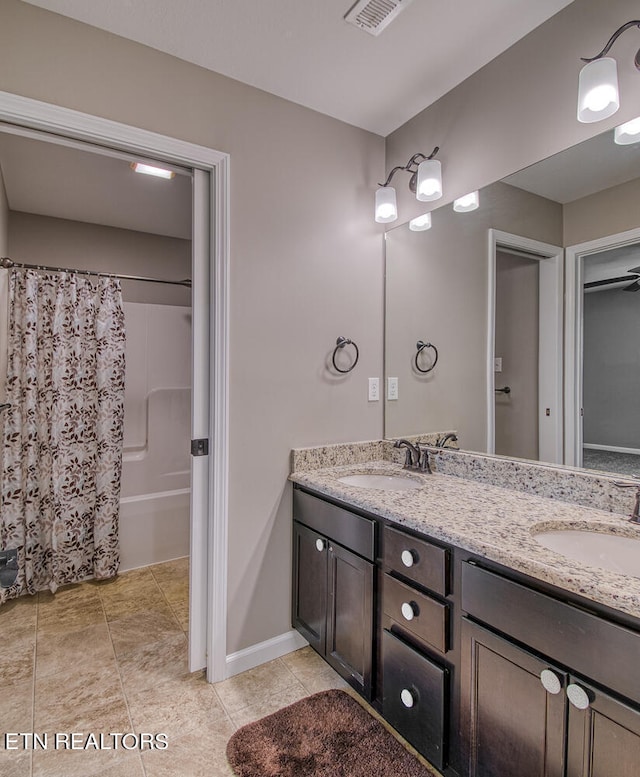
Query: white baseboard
[[612, 448], [270, 649]]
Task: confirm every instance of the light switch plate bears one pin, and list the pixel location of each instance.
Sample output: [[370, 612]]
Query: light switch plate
[[392, 388], [497, 364], [374, 389]]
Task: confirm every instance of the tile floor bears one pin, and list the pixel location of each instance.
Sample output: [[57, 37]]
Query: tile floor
[[111, 656]]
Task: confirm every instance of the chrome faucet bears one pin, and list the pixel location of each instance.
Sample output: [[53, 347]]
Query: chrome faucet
[[635, 515], [442, 441], [415, 458]]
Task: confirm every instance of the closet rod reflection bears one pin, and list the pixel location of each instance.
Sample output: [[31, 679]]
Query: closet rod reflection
[[9, 264]]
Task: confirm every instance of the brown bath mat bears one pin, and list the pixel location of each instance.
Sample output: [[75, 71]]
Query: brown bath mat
[[325, 735]]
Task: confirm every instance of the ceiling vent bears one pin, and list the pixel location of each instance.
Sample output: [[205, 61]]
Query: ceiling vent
[[373, 16]]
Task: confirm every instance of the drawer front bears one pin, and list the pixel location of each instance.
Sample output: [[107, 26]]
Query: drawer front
[[591, 645], [423, 616], [347, 529], [417, 559], [413, 699]]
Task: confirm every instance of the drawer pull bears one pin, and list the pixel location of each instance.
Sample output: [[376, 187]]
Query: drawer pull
[[320, 545], [550, 681], [407, 698], [578, 696], [409, 610], [408, 557]]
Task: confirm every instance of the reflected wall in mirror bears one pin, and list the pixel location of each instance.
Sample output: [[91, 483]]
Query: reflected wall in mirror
[[439, 289]]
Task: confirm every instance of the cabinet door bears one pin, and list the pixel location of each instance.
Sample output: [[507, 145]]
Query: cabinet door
[[511, 726], [350, 618], [310, 568], [604, 738]]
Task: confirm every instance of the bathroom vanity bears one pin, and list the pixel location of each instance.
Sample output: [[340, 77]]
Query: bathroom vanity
[[492, 655]]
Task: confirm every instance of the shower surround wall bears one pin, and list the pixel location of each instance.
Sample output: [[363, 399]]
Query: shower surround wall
[[155, 497]]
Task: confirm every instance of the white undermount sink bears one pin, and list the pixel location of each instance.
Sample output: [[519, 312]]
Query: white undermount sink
[[598, 549], [381, 482]]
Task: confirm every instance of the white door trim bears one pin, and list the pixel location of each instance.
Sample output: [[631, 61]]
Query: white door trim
[[209, 631], [551, 279], [573, 335]]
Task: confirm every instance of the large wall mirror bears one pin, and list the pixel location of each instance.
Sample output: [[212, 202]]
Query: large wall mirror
[[532, 303]]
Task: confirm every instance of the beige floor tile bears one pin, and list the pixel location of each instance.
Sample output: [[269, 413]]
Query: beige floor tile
[[149, 666], [87, 763], [256, 686], [304, 660], [74, 652], [127, 580], [175, 591], [316, 680], [21, 614], [197, 753], [142, 628], [16, 708], [176, 706], [169, 571], [181, 613], [63, 613], [17, 660], [268, 706], [15, 763], [62, 700], [126, 601]]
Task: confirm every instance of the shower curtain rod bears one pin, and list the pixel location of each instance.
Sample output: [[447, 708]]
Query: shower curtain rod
[[9, 264]]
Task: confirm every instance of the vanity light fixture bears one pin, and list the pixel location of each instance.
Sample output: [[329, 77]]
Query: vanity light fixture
[[467, 203], [420, 223], [598, 94], [425, 182], [628, 133], [159, 172]]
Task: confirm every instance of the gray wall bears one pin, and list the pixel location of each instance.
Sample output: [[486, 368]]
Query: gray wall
[[516, 342], [4, 218], [612, 368], [306, 266], [436, 290], [63, 243], [4, 291]]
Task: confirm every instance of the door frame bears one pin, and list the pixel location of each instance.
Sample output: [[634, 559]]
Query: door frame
[[550, 320], [208, 600], [573, 387]]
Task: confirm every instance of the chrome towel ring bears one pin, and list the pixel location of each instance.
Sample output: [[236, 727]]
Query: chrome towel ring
[[340, 343], [420, 345]]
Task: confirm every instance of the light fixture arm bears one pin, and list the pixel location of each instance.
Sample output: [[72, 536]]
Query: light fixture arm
[[411, 167], [612, 40]]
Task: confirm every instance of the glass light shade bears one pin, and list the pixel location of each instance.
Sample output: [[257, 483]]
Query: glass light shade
[[420, 223], [468, 202], [598, 96], [429, 182], [627, 133], [386, 207]]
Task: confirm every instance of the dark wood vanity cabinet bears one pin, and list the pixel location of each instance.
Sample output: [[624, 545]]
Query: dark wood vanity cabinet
[[333, 586], [415, 676], [485, 671], [525, 709]]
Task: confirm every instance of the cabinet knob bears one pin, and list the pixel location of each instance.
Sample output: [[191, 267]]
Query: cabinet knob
[[320, 544], [408, 558], [407, 698], [409, 610], [550, 681], [578, 696]]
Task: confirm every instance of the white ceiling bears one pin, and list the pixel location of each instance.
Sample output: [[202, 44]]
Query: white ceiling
[[304, 51], [63, 182]]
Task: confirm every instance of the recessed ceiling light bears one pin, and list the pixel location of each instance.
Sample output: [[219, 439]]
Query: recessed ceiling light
[[159, 172]]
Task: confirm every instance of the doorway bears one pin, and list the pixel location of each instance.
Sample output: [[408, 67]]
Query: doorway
[[524, 348], [603, 365], [209, 345]]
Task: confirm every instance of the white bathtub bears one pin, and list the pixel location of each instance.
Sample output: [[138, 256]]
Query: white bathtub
[[154, 528]]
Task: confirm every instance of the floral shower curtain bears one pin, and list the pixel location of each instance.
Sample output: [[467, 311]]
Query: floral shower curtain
[[62, 446]]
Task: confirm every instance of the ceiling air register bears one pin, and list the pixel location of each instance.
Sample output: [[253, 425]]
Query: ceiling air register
[[373, 16]]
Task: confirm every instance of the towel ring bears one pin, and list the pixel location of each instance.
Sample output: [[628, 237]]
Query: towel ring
[[421, 346], [340, 343]]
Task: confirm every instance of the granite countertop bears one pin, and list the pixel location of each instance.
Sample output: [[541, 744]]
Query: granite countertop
[[491, 521]]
